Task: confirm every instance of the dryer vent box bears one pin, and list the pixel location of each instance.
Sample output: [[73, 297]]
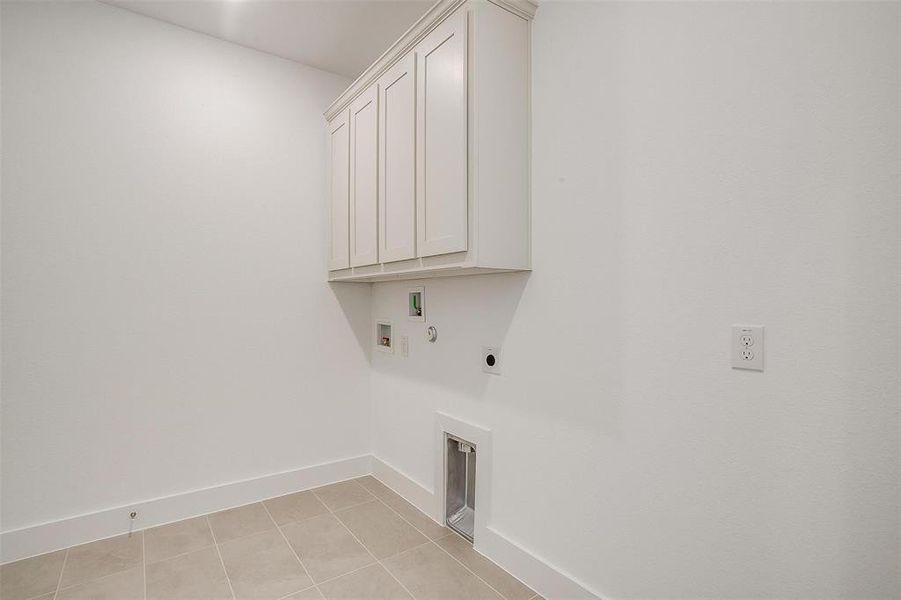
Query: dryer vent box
[[460, 490]]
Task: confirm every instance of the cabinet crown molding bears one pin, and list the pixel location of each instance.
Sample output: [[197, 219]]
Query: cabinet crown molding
[[431, 19]]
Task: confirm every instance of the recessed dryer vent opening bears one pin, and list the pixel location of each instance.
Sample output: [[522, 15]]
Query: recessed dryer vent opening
[[460, 492]]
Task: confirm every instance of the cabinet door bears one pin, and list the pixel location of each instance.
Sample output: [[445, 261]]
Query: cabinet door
[[397, 162], [364, 163], [441, 202], [339, 173]]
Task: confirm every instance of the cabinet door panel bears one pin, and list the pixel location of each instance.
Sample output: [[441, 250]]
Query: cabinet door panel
[[364, 153], [441, 203], [397, 162], [339, 165]]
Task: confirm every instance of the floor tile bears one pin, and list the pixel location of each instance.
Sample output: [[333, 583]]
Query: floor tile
[[326, 548], [343, 495], [429, 572], [295, 507], [31, 577], [308, 594], [374, 486], [263, 566], [125, 585], [508, 586], [101, 558], [237, 522], [339, 550], [416, 517], [195, 576], [372, 583], [380, 529], [177, 538]]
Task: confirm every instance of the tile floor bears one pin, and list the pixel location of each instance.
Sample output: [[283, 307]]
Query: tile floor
[[354, 540]]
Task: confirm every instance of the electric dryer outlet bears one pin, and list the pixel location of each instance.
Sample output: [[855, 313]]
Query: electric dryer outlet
[[491, 359]]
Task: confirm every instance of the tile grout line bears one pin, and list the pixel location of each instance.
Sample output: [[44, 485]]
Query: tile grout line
[[194, 516], [359, 541], [349, 506], [443, 550], [316, 585], [219, 554], [377, 561], [408, 522], [181, 554], [59, 581], [429, 539], [449, 532], [279, 528], [90, 581], [198, 516], [332, 512], [330, 579], [290, 547], [479, 577], [372, 497], [393, 576]]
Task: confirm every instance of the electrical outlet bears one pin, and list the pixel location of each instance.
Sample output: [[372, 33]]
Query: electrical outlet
[[491, 360], [747, 347], [405, 346]]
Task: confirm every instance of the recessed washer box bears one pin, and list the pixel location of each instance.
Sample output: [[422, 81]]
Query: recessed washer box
[[384, 341], [416, 304]]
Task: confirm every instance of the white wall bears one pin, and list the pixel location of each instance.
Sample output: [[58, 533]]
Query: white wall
[[166, 321], [166, 326], [695, 165]]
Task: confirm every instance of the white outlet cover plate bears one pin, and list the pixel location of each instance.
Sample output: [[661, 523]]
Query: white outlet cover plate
[[493, 351], [747, 347]]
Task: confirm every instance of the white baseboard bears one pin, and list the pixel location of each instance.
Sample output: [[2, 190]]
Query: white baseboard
[[47, 537], [535, 572], [538, 574], [414, 492]]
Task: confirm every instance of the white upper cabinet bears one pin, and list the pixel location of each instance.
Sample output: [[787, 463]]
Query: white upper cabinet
[[397, 161], [339, 165], [364, 152], [441, 195], [430, 150]]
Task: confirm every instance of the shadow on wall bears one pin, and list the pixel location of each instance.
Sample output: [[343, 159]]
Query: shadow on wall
[[354, 301], [559, 332], [469, 312]]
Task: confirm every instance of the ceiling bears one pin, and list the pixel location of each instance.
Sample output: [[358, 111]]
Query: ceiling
[[341, 36]]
